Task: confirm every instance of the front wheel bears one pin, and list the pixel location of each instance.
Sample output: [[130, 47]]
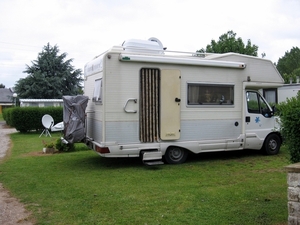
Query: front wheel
[[176, 155], [272, 144]]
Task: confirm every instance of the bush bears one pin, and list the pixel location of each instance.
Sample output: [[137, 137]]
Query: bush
[[25, 119], [7, 115], [64, 147], [289, 113]]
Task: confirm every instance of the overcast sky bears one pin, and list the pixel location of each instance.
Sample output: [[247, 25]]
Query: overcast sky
[[86, 28]]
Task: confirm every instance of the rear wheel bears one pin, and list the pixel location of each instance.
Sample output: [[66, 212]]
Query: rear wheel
[[272, 144], [176, 155]]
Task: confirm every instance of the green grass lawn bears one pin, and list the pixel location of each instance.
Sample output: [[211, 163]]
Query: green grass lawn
[[82, 188]]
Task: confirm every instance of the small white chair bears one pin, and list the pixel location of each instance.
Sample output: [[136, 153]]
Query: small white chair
[[58, 127], [47, 122]]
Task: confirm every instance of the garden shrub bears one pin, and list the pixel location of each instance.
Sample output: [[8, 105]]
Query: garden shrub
[[7, 115], [289, 113], [64, 147]]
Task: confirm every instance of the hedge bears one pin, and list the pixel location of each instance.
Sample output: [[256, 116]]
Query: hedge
[[25, 119], [289, 113]]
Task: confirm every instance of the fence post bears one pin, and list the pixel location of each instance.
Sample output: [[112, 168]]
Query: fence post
[[293, 181]]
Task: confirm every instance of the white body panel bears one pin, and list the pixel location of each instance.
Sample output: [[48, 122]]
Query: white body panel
[[114, 123], [288, 91]]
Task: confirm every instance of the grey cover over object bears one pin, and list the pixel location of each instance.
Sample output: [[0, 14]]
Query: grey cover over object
[[74, 117]]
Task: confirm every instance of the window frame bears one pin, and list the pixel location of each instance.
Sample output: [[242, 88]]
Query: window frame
[[271, 90], [97, 93], [261, 103], [211, 105]]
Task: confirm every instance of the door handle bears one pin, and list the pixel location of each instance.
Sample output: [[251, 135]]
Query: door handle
[[177, 99], [247, 119], [130, 111]]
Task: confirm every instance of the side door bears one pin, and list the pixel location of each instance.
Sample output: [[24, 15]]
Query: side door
[[170, 101], [259, 120]]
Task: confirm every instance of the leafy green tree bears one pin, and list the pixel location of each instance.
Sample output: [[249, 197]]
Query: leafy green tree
[[50, 76], [289, 65], [229, 43], [2, 86]]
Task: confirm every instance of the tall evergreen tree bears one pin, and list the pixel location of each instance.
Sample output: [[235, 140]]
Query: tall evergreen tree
[[229, 43], [50, 76]]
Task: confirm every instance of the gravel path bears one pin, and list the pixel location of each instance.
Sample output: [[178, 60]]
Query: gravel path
[[12, 212]]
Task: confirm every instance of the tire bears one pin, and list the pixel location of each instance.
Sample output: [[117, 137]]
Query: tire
[[272, 144], [176, 155]]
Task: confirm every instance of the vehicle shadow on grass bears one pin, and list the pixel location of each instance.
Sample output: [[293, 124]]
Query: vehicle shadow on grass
[[225, 155], [94, 161]]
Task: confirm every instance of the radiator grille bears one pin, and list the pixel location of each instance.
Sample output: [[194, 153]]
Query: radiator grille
[[149, 105]]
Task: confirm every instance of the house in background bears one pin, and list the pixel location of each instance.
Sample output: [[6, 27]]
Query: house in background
[[40, 102], [6, 98]]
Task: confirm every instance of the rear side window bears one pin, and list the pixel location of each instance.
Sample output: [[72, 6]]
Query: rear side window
[[97, 96], [210, 94]]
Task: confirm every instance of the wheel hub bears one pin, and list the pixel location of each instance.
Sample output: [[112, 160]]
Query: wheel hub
[[273, 144]]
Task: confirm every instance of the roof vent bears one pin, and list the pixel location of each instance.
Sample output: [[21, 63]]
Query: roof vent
[[152, 45]]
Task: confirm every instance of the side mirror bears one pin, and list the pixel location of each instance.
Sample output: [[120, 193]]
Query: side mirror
[[269, 113], [272, 113]]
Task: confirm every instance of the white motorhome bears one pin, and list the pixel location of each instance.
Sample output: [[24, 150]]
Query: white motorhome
[[145, 101]]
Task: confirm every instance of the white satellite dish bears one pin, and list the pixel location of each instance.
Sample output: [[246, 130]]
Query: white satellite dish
[[47, 122]]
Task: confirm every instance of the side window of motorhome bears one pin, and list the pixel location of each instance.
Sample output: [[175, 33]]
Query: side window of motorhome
[[270, 95], [97, 96], [210, 94], [255, 103]]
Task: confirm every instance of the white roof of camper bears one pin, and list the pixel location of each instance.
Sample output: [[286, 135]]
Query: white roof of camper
[[152, 51], [41, 100], [295, 86]]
